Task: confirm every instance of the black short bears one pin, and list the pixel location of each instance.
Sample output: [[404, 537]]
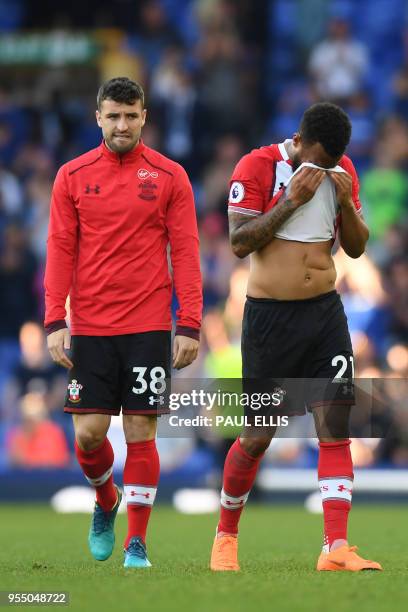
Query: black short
[[307, 340], [125, 372]]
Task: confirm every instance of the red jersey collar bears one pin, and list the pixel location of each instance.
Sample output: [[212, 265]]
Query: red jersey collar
[[130, 156], [283, 152]]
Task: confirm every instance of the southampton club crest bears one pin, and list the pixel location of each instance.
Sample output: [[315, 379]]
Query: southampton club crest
[[74, 388]]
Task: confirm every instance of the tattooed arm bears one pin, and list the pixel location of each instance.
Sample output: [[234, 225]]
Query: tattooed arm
[[248, 235]]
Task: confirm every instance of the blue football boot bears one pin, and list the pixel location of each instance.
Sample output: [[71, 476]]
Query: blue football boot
[[101, 538], [135, 554]]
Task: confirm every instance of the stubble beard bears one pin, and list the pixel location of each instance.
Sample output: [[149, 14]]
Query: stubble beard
[[121, 148]]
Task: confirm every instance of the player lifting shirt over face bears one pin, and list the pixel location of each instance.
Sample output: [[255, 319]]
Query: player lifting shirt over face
[[287, 203]]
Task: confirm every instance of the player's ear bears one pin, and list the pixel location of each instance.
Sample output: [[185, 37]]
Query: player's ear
[[98, 118], [144, 113], [296, 139]]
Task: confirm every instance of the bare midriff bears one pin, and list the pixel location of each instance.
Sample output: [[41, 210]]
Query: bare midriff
[[290, 270]]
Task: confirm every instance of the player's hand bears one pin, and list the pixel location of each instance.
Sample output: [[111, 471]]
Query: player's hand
[[185, 351], [304, 185], [57, 342], [344, 185]]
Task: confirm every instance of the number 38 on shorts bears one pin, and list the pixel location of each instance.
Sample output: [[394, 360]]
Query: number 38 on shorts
[[128, 373]]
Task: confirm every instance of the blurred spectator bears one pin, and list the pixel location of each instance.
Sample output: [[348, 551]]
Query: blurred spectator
[[396, 284], [18, 301], [397, 360], [33, 158], [217, 260], [39, 188], [339, 64], [116, 58], [400, 84], [223, 359], [392, 142], [310, 24], [384, 193], [35, 373], [37, 442], [395, 240], [363, 134], [401, 90], [153, 34], [234, 306], [215, 181], [11, 195], [365, 301], [227, 76], [394, 448], [364, 353], [17, 271], [176, 108], [5, 142]]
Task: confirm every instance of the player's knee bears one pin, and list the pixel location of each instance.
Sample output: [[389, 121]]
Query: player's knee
[[256, 446], [138, 428], [332, 422], [89, 439]]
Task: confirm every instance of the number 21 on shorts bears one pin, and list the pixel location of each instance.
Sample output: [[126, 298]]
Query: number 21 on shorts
[[341, 360]]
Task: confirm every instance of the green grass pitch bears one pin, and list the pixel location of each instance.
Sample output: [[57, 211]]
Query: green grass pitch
[[40, 550]]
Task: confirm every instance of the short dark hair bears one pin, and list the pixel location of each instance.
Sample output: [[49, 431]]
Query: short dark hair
[[327, 124], [120, 89]]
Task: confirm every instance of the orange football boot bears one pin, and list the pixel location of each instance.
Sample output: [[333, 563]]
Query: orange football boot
[[345, 559], [224, 554]]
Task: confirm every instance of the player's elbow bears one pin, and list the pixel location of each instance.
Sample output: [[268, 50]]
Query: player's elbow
[[238, 247], [355, 248], [354, 252], [240, 250]]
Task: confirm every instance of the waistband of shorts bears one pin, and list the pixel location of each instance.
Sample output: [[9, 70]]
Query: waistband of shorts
[[317, 298]]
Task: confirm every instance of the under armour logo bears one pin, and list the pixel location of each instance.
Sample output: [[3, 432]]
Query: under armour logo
[[342, 488], [346, 389], [146, 495], [89, 189], [156, 400]]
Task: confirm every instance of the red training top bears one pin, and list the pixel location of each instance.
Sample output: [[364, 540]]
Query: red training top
[[112, 218]]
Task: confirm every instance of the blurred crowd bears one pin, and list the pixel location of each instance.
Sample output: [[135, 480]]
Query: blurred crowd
[[221, 77]]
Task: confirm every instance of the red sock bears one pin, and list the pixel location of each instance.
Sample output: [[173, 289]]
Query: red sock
[[97, 465], [140, 480], [335, 472], [239, 475]]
